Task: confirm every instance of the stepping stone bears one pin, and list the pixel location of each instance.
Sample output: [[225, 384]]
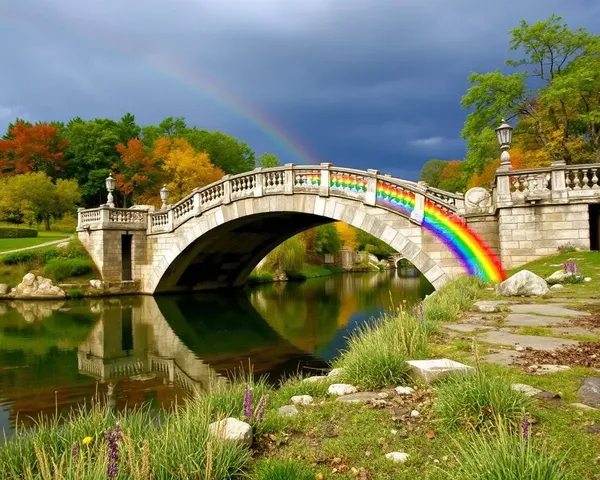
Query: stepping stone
[[288, 411], [431, 370], [501, 357], [489, 306], [545, 309], [573, 331], [404, 390], [302, 400], [583, 406], [526, 341], [547, 369], [529, 320], [465, 327], [590, 391], [527, 390], [340, 389], [358, 398]]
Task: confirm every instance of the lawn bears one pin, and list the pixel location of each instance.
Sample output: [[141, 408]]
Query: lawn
[[7, 244]]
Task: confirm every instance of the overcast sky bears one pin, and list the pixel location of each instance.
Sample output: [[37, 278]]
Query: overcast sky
[[360, 83]]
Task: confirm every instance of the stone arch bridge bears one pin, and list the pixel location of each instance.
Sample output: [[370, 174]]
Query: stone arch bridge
[[214, 237]]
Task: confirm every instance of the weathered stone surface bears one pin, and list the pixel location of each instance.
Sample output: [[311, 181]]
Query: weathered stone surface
[[587, 279], [589, 391], [359, 397], [465, 327], [529, 320], [404, 390], [3, 288], [557, 287], [342, 389], [36, 287], [232, 429], [302, 400], [288, 411], [527, 390], [582, 406], [398, 457], [547, 309], [486, 306], [97, 284], [547, 369], [316, 378], [523, 283], [525, 341], [560, 276], [431, 370], [336, 372]]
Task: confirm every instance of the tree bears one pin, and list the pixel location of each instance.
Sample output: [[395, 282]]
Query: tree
[[555, 93], [33, 196], [453, 178], [137, 172], [187, 169], [327, 239], [347, 235], [432, 171], [32, 148], [268, 160], [370, 243]]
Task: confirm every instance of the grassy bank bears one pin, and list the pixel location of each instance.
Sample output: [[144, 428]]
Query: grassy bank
[[467, 427], [306, 272]]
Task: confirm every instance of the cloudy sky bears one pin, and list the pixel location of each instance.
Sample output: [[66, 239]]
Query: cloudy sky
[[360, 83]]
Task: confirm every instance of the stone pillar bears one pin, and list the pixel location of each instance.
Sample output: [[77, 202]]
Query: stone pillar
[[170, 220], [226, 190], [79, 210], [503, 196], [259, 182], [419, 210], [559, 185], [197, 203], [288, 177], [325, 179], [104, 216], [371, 193]]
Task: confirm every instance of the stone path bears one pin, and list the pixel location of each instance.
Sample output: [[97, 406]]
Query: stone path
[[498, 323], [46, 244]]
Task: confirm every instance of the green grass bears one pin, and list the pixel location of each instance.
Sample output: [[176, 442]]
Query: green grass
[[282, 469], [547, 332], [7, 244]]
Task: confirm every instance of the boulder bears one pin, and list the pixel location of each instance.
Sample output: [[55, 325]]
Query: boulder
[[404, 390], [97, 284], [3, 288], [302, 400], [288, 411], [526, 390], [232, 429], [556, 287], [340, 389], [587, 279], [398, 457], [37, 287], [336, 372], [560, 276], [486, 306], [523, 283], [590, 391]]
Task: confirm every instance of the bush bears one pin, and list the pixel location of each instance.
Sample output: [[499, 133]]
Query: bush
[[276, 469], [287, 257], [476, 400], [453, 298], [76, 293], [60, 268], [260, 277], [11, 232], [18, 258], [377, 352], [506, 456]]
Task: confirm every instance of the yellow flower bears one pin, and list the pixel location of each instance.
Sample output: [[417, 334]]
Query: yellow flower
[[87, 440]]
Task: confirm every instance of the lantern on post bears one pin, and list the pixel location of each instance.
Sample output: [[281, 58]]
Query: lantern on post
[[504, 135], [110, 187], [164, 195]]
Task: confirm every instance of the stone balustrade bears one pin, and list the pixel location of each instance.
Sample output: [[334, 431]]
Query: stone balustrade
[[324, 180]]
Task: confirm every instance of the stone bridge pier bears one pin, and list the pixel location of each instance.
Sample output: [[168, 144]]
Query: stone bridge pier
[[214, 237]]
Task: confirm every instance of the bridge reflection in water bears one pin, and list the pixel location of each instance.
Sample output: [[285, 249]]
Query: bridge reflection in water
[[161, 349]]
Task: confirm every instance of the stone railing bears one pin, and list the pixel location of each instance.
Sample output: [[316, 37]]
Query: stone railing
[[118, 218], [558, 183]]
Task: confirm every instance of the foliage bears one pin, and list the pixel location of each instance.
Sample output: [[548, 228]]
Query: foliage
[[287, 257], [475, 400], [137, 170], [268, 160], [279, 469], [347, 235], [75, 293], [60, 269], [567, 248], [453, 298], [8, 232], [32, 148], [326, 240], [503, 455], [431, 172], [260, 277], [33, 196], [453, 177], [369, 243]]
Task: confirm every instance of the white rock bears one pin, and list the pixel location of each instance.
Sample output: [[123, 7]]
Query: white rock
[[302, 400], [557, 287], [28, 280], [415, 414], [527, 390], [549, 369], [523, 283], [404, 390], [316, 378], [558, 277], [97, 284], [288, 411], [3, 288], [431, 370], [486, 307], [232, 429], [398, 457], [587, 279], [340, 389], [336, 372], [582, 406], [36, 287]]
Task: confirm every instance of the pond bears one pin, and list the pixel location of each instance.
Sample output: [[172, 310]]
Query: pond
[[55, 355]]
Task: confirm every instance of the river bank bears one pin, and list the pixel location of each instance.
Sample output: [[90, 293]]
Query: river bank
[[450, 429]]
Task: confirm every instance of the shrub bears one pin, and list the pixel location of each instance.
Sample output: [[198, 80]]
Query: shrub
[[76, 293], [260, 277], [476, 400], [60, 268], [377, 352], [18, 258], [287, 257], [11, 232], [567, 248], [506, 456], [276, 469], [455, 297]]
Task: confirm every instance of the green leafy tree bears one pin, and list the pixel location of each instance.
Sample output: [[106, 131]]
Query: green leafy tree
[[432, 171], [327, 239], [268, 160], [369, 243]]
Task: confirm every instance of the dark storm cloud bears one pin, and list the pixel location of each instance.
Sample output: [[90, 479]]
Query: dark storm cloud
[[362, 83]]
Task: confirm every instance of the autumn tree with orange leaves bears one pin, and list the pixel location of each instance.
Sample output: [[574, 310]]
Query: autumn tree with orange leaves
[[32, 148], [137, 174]]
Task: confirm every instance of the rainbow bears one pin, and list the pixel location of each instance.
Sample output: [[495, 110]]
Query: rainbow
[[472, 252]]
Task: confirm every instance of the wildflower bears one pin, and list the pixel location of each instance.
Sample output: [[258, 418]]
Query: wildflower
[[421, 314], [113, 451], [248, 403], [87, 440], [525, 426], [260, 408], [75, 450]]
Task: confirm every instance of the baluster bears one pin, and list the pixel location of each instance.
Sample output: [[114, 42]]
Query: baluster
[[546, 182], [576, 180], [568, 180], [594, 178], [522, 182], [585, 179]]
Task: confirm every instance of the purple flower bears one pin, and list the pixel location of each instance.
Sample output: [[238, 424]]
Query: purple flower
[[421, 314], [571, 267], [525, 426], [248, 403], [75, 450], [260, 408], [113, 451]]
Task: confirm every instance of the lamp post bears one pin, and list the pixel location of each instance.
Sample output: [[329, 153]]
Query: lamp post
[[110, 186], [504, 135], [164, 195]]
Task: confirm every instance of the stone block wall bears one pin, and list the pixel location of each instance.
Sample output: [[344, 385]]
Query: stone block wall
[[486, 227], [529, 233]]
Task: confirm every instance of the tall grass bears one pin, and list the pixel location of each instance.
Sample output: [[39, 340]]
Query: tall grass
[[290, 256], [446, 304], [476, 400], [503, 455], [276, 469]]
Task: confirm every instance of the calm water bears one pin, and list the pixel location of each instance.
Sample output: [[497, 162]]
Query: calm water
[[130, 350]]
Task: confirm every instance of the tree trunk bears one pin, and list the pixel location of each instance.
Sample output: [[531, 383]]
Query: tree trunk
[[47, 222]]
